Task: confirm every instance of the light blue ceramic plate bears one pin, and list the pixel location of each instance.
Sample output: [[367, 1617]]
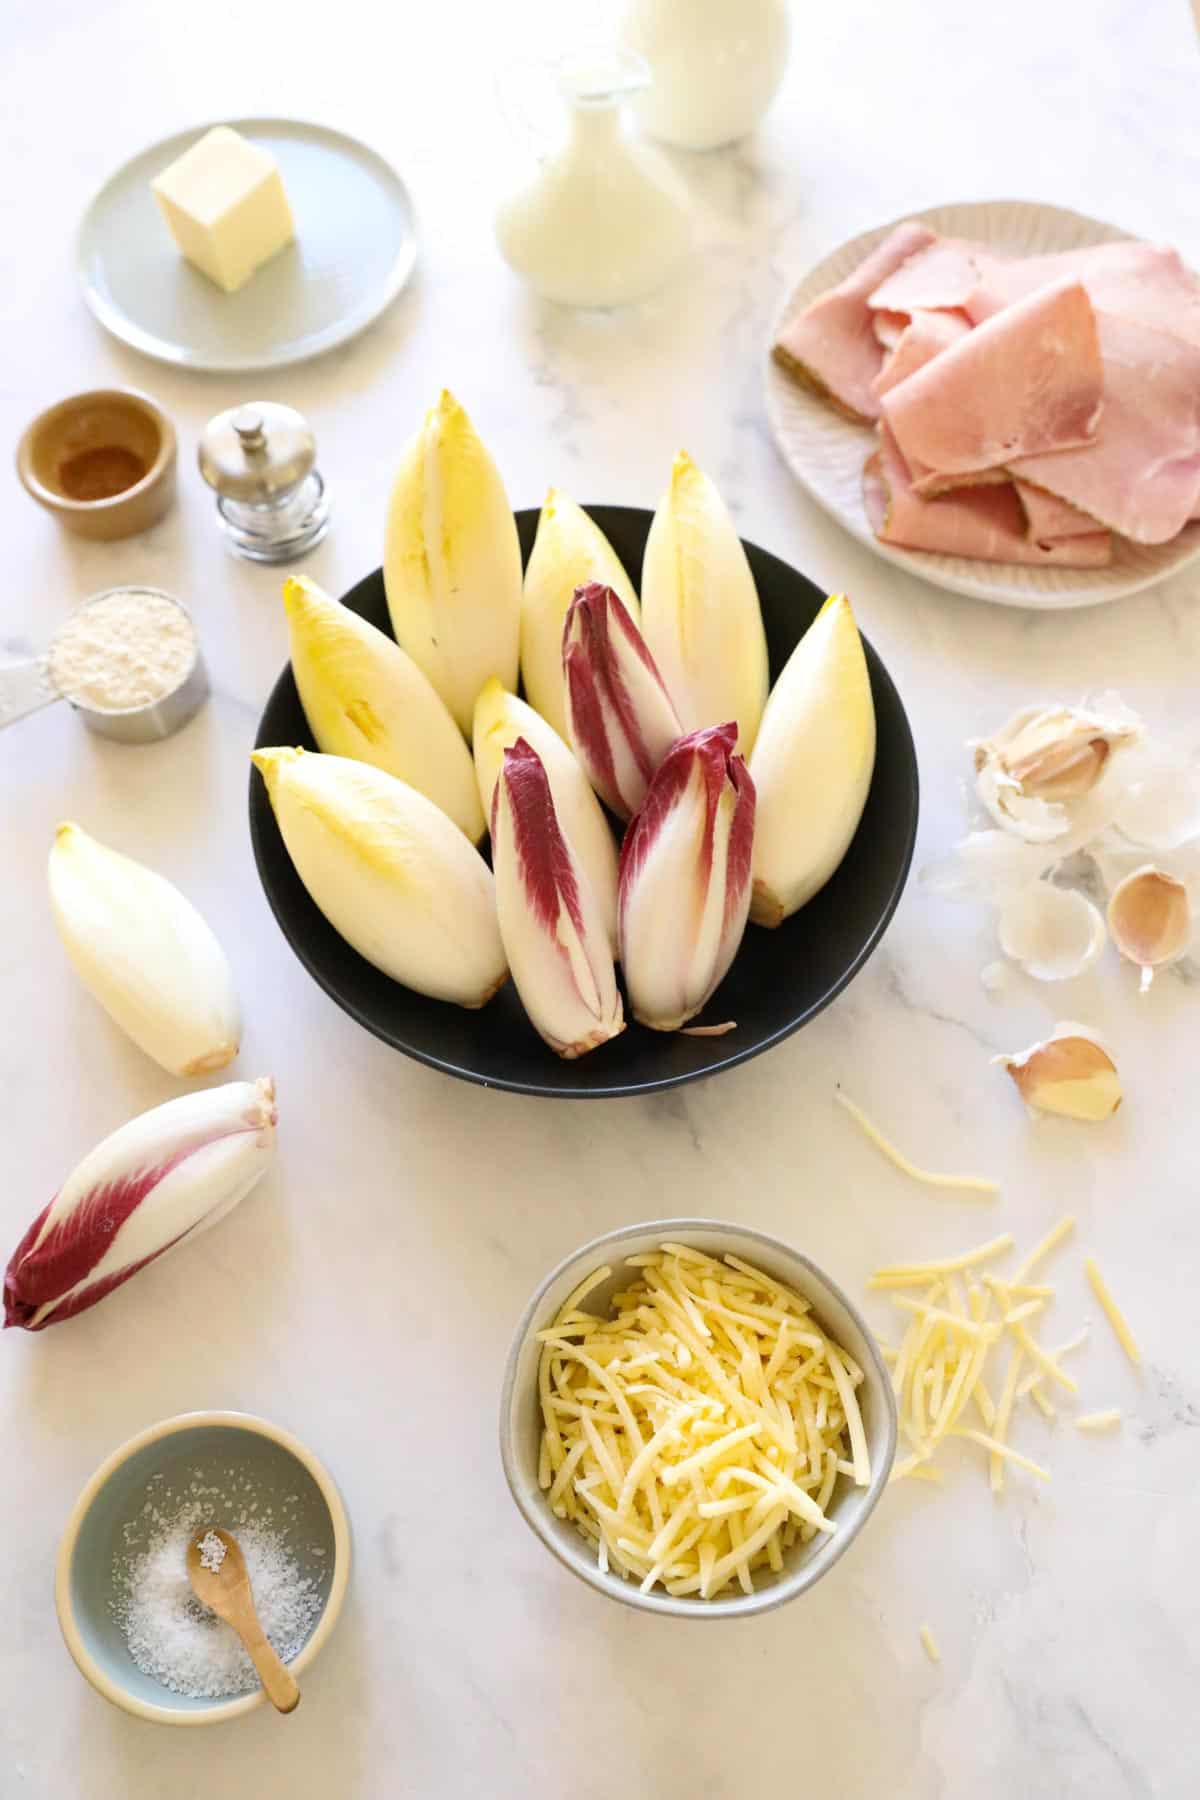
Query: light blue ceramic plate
[[354, 250], [230, 1455]]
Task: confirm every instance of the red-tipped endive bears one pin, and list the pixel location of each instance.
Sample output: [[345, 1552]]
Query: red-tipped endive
[[551, 920], [685, 878], [162, 1178], [621, 719]]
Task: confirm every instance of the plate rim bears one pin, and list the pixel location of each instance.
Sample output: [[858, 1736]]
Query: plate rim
[[259, 809], [127, 331], [929, 565]]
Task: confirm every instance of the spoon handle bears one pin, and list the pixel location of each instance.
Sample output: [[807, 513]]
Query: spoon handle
[[279, 1684], [24, 687]]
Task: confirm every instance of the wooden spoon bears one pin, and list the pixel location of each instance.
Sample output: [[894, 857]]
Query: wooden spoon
[[226, 1591]]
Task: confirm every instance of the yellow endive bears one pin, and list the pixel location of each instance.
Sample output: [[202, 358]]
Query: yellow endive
[[700, 612], [390, 872], [569, 551], [364, 697], [812, 764], [452, 561]]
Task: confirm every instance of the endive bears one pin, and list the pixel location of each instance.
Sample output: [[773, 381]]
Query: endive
[[700, 612], [500, 719], [569, 551], [812, 764], [452, 562], [143, 951], [365, 697], [620, 716], [390, 872]]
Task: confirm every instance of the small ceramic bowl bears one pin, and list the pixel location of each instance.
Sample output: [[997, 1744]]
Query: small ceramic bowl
[[521, 1421], [103, 462], [216, 1449]]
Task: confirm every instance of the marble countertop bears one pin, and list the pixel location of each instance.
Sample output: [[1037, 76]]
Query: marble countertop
[[404, 1203]]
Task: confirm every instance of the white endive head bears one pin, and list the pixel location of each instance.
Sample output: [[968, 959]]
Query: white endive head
[[685, 878], [550, 919], [700, 612], [161, 1179], [569, 551], [621, 719], [500, 719], [390, 872], [365, 697], [452, 561], [812, 764], [143, 951]]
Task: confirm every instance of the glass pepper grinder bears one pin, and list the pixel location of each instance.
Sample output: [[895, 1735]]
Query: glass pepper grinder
[[260, 459]]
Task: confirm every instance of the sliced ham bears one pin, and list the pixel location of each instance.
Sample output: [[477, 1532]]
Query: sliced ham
[[832, 346], [928, 334], [945, 274], [889, 327], [1026, 381], [1146, 282], [1142, 475], [1049, 518], [987, 523]]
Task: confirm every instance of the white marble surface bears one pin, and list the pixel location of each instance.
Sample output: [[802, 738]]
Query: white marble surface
[[410, 1216]]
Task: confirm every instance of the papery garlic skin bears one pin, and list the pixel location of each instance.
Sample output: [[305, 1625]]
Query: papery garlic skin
[[1071, 1074], [551, 921], [390, 872], [620, 716], [700, 613], [1039, 774], [685, 878], [364, 697], [570, 551], [812, 764], [1053, 932], [452, 561], [143, 951], [500, 719], [1150, 918], [164, 1177]]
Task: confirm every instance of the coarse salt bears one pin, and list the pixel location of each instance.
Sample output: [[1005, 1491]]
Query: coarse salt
[[212, 1551], [127, 649]]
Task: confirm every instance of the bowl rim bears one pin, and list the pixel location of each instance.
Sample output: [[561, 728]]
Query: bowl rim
[[617, 1090], [538, 1518], [54, 501], [153, 1434]]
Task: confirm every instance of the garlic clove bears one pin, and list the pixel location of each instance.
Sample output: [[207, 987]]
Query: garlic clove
[[1039, 776], [143, 951], [569, 551], [1150, 919], [1070, 1073], [1053, 932]]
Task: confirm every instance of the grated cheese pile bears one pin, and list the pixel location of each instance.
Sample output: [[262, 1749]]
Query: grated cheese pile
[[958, 1328], [700, 1431]]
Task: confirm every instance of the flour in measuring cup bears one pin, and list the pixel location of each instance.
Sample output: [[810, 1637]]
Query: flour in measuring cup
[[126, 649]]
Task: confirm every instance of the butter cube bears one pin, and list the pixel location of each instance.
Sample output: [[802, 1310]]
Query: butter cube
[[225, 205]]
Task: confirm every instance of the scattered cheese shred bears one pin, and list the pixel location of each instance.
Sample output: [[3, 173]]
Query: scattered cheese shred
[[700, 1430], [1098, 1421], [1051, 1241], [929, 1644], [1116, 1317], [976, 1184]]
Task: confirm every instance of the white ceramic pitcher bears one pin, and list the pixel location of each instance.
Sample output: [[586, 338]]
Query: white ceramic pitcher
[[714, 64]]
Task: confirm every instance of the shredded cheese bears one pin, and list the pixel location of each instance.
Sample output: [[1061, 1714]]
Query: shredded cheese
[[1116, 1317], [700, 1430], [929, 1644], [1098, 1421], [976, 1184]]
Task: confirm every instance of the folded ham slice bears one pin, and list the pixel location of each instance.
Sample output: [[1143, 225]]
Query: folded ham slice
[[1049, 518], [987, 523], [927, 335], [1027, 380], [832, 346], [1147, 282], [1142, 475], [945, 274], [889, 327]]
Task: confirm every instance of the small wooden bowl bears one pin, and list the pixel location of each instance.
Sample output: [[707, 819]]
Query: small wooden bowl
[[103, 462]]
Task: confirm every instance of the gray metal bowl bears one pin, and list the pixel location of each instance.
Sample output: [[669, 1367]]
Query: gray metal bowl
[[521, 1422]]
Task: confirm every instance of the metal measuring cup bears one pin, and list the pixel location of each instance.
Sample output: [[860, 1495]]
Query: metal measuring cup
[[25, 687]]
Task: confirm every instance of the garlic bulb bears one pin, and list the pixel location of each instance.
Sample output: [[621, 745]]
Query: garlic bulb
[[1053, 932], [569, 551], [143, 951], [365, 697], [700, 612], [1150, 919], [1038, 775], [390, 872], [1070, 1073], [452, 561]]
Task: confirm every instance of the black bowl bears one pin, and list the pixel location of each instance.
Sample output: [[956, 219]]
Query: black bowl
[[780, 979]]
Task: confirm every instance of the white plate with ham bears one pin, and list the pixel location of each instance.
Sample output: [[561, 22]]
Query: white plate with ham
[[1001, 397]]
